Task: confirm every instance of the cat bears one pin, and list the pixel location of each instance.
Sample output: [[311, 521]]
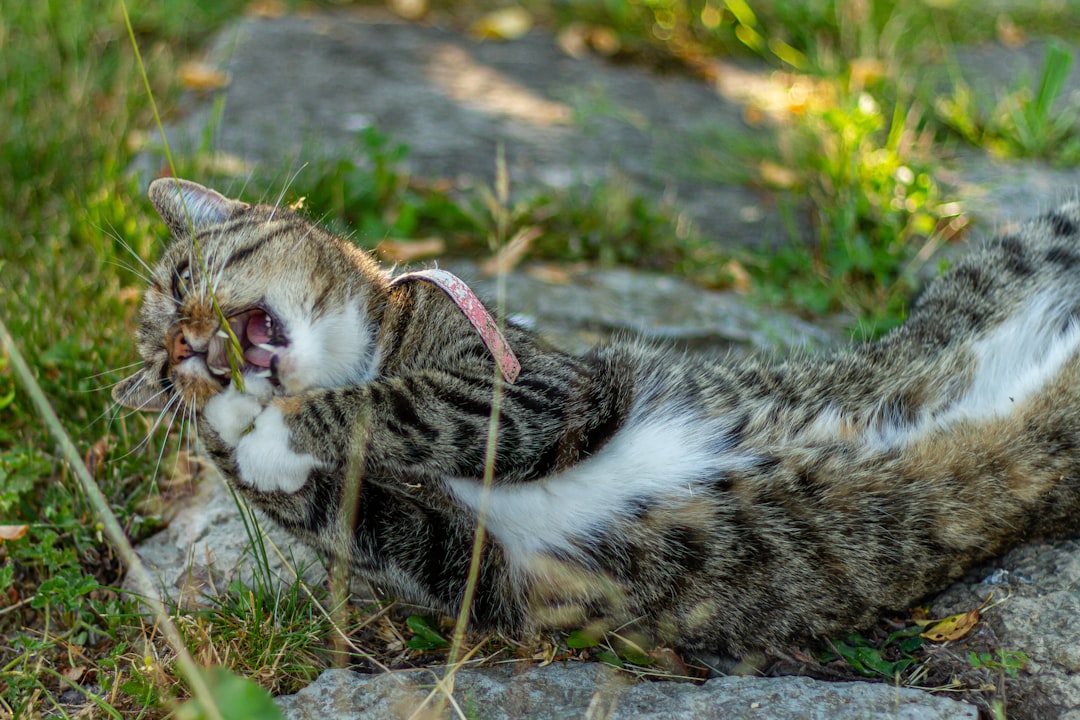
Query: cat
[[717, 506]]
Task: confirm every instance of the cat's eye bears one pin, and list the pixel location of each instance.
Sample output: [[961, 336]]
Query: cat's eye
[[182, 281]]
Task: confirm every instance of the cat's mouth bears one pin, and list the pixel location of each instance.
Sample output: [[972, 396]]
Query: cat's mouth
[[261, 340]]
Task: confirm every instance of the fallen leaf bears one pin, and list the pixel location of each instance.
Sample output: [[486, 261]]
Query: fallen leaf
[[266, 8], [550, 273], [512, 253], [504, 24], [920, 613], [777, 176], [1009, 33], [740, 278], [953, 627], [409, 9], [202, 77], [74, 674], [95, 456], [406, 251], [670, 661], [12, 532]]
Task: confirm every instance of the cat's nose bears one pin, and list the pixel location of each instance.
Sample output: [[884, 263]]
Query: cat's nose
[[183, 346]]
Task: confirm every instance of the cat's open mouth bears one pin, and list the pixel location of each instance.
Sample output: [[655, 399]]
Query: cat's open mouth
[[260, 342]]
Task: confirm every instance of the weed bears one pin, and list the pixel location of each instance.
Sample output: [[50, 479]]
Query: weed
[[1022, 124], [876, 209], [889, 659], [425, 634], [370, 195], [1010, 662]]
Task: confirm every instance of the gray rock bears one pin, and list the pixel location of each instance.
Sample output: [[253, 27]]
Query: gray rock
[[207, 545], [302, 88], [1036, 600], [593, 305], [596, 691]]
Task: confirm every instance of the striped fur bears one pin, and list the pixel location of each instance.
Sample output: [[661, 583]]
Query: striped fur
[[720, 506]]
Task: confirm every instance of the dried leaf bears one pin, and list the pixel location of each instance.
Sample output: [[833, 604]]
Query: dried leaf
[[550, 273], [512, 253], [504, 24], [74, 674], [406, 251], [409, 9], [12, 532], [202, 77], [777, 176], [95, 456], [266, 8], [577, 39], [953, 627], [740, 278]]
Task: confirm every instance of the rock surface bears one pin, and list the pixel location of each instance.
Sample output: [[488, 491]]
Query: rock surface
[[596, 691], [563, 122], [304, 86]]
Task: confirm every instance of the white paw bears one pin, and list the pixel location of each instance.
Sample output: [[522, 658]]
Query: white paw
[[265, 460], [231, 414]]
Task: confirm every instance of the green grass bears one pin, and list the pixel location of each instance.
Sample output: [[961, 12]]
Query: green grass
[[857, 185]]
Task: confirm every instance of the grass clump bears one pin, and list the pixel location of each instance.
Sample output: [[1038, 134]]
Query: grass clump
[[1022, 123]]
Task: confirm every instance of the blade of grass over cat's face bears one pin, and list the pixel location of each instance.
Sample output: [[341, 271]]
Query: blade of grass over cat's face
[[233, 350]]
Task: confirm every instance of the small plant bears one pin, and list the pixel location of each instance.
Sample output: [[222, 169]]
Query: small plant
[[875, 206], [1021, 124], [1010, 662], [889, 659], [372, 196], [610, 648], [426, 635]]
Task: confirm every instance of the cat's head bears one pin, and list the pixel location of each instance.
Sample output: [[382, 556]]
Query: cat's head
[[301, 302]]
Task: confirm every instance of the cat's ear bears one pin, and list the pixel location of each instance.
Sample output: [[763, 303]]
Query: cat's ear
[[139, 392], [183, 204]]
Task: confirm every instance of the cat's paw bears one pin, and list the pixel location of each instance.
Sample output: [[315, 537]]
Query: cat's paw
[[231, 414], [265, 459]]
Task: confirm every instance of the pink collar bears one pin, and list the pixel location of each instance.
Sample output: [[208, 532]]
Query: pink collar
[[474, 310]]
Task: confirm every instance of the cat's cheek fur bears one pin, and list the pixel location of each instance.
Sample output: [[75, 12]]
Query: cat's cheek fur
[[335, 350], [265, 460]]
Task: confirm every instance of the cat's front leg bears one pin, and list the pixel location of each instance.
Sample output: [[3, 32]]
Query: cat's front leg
[[254, 432]]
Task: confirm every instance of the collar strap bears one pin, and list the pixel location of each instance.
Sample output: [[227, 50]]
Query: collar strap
[[474, 310]]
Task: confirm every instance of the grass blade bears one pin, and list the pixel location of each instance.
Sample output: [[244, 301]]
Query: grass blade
[[115, 533]]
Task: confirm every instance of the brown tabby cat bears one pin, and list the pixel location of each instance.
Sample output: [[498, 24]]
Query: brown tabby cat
[[716, 506]]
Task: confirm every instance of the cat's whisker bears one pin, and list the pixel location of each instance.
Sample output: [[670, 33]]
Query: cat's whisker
[[131, 269], [122, 368], [145, 441], [284, 190], [177, 407], [119, 238]]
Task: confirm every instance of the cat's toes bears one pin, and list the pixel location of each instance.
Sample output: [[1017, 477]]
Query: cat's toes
[[258, 387], [267, 462], [231, 414]]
